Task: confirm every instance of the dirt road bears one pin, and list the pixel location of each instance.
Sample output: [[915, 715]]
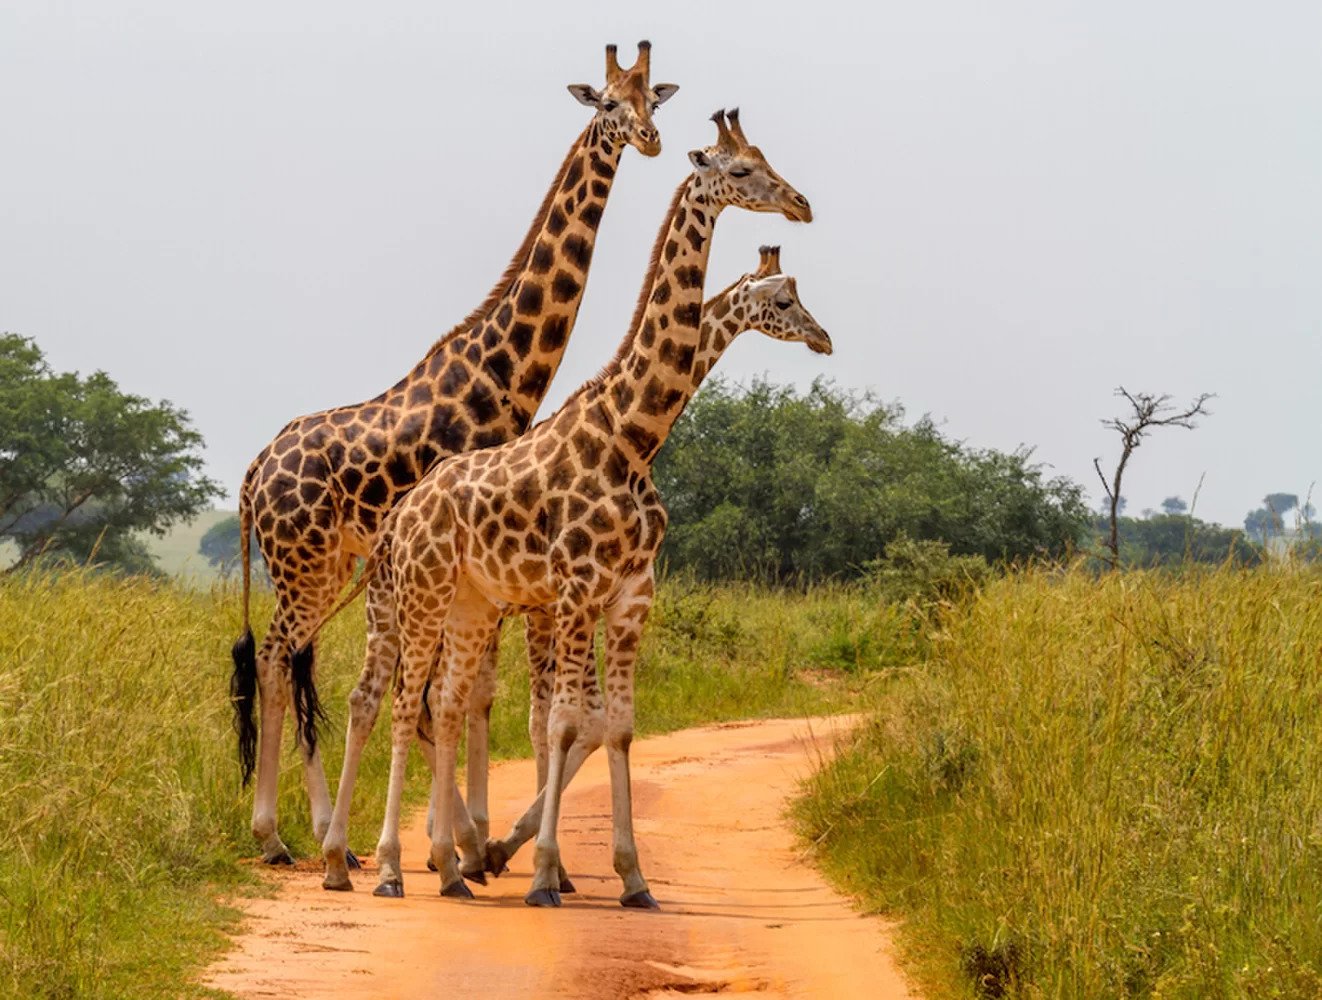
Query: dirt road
[[740, 911]]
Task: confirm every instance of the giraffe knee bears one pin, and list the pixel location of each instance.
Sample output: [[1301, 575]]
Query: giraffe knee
[[565, 736], [620, 738], [362, 707]]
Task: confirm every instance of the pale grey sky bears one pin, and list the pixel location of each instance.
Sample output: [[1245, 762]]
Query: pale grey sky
[[261, 209]]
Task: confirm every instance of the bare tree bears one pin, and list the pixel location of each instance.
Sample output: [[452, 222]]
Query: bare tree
[[1148, 411]]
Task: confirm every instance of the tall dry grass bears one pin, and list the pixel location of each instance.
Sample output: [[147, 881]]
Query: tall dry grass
[[1099, 788]]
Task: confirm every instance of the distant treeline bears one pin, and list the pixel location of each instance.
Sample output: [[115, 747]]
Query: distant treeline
[[771, 484]]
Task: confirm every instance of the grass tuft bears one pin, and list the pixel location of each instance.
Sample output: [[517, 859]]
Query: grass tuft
[[1098, 788]]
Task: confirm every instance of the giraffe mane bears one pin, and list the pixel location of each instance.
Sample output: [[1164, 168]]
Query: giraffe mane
[[520, 258], [653, 265]]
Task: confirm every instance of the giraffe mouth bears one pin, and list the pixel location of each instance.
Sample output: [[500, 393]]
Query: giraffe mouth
[[819, 343]]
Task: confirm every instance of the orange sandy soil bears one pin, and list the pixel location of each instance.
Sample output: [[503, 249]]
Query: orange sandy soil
[[741, 909]]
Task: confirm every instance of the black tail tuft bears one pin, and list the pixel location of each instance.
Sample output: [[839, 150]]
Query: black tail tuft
[[243, 693], [308, 713]]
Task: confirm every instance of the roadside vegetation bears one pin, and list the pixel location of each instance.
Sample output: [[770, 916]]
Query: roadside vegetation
[[121, 810], [1097, 787]]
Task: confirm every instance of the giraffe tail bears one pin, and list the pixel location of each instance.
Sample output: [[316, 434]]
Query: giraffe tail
[[243, 682], [308, 713]]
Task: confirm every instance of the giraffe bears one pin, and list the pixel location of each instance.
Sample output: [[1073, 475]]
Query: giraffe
[[317, 493], [514, 527]]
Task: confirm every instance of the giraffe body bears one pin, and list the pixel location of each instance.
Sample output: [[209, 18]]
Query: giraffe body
[[316, 495], [567, 519]]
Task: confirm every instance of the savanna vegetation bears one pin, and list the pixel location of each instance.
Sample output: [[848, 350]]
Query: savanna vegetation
[[1097, 787], [121, 811], [1075, 783], [765, 483]]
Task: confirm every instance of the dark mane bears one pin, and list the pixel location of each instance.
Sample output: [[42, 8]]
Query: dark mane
[[613, 365], [516, 263]]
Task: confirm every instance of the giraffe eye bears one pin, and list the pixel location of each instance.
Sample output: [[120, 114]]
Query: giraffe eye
[[783, 303], [739, 171], [610, 105]]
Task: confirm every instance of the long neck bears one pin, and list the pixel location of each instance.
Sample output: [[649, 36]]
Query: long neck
[[509, 349], [652, 377]]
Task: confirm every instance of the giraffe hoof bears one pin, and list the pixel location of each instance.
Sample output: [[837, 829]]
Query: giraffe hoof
[[431, 866], [337, 883], [479, 876], [352, 861], [457, 890], [567, 886], [542, 897], [642, 900], [497, 858], [389, 890], [283, 858]]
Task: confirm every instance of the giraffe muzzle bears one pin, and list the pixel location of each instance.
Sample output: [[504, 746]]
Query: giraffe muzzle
[[798, 209], [819, 342]]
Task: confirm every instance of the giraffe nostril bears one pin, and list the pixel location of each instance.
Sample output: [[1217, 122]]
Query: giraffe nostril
[[801, 201]]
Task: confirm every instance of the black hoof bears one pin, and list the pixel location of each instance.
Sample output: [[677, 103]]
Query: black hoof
[[567, 886], [497, 858], [542, 897], [457, 890], [352, 861], [283, 858], [389, 890], [640, 901], [431, 866], [479, 876]]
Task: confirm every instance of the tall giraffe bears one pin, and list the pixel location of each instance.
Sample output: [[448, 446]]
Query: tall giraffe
[[566, 518], [318, 492]]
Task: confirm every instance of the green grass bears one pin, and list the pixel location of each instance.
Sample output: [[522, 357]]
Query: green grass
[[1098, 789], [121, 811]]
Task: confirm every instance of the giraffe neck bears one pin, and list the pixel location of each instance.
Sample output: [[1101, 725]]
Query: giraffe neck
[[652, 377], [500, 361]]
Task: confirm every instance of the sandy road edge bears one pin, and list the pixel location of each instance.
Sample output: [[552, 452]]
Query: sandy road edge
[[742, 911]]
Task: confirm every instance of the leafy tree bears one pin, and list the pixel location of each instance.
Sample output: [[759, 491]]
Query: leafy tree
[[83, 466], [1174, 505], [781, 486], [1280, 503], [220, 545], [1176, 539], [1262, 524]]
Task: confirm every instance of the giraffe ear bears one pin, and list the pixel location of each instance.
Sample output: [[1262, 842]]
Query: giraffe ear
[[585, 94], [699, 159], [664, 92]]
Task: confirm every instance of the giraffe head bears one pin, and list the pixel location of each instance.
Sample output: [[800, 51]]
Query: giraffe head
[[771, 304], [625, 106], [736, 173]]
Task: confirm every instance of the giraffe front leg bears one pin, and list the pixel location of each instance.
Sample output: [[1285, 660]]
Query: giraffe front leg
[[272, 688], [470, 630], [624, 628], [364, 705], [465, 831], [573, 645], [478, 764], [417, 658], [539, 637], [590, 735]]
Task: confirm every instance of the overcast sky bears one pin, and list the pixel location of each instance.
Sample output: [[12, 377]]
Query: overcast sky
[[261, 209]]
